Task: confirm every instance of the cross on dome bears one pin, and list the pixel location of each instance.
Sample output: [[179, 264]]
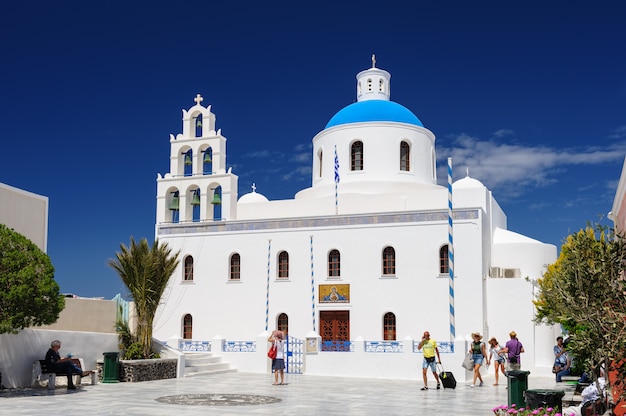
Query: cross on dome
[[373, 60], [253, 187], [198, 99]]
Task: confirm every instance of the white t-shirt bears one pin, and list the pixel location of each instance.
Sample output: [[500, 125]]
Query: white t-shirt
[[280, 349]]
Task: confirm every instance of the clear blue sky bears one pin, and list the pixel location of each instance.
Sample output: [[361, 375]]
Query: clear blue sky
[[531, 96]]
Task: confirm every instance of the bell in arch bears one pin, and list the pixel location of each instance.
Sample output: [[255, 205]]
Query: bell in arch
[[199, 122], [188, 161], [207, 157], [195, 200], [174, 205], [217, 200]]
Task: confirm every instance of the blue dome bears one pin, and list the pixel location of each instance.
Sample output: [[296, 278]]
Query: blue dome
[[374, 110]]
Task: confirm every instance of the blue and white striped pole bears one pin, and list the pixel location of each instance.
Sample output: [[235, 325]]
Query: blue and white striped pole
[[336, 181], [267, 296], [451, 252], [312, 286]]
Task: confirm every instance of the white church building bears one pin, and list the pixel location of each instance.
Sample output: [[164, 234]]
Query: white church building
[[354, 268]]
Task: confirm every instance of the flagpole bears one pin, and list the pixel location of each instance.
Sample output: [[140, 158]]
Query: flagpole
[[267, 293], [312, 285], [336, 182], [451, 253]]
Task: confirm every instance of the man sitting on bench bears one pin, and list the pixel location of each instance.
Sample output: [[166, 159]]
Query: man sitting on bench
[[63, 365]]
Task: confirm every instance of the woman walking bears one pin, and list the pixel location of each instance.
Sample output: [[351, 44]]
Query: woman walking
[[479, 353], [497, 356]]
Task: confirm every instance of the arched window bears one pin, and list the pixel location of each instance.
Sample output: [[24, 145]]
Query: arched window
[[198, 132], [195, 205], [217, 203], [207, 161], [175, 206], [369, 84], [319, 156], [389, 327], [187, 163], [405, 157], [356, 156], [381, 85], [444, 260], [188, 272], [187, 327], [389, 261], [283, 265], [334, 263], [235, 266], [283, 323]]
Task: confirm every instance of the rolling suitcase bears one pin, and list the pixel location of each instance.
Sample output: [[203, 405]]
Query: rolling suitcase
[[447, 378]]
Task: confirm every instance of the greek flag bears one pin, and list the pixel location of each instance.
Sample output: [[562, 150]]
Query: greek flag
[[336, 166]]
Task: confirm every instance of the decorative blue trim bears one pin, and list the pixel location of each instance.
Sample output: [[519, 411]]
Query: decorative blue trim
[[325, 222], [383, 346], [239, 346], [341, 346], [186, 345], [445, 347]]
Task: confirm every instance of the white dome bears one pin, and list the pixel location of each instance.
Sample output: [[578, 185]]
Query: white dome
[[467, 183], [252, 197]]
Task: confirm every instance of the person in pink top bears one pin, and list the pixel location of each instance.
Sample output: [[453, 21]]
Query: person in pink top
[[278, 364]]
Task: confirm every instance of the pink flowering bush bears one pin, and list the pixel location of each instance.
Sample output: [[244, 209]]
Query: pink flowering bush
[[505, 410]]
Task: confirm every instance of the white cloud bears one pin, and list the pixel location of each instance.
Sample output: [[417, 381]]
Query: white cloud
[[508, 168], [503, 133]]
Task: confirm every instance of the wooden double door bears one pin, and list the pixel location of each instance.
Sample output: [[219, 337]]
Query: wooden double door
[[335, 326]]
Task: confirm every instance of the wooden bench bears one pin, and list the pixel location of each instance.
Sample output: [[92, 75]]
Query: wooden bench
[[42, 373]]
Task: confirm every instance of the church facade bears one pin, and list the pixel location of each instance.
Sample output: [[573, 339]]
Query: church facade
[[366, 253]]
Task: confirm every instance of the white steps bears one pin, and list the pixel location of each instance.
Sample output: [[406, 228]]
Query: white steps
[[197, 363]]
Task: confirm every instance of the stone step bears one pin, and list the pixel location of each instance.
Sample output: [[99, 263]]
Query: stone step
[[208, 372], [204, 363], [206, 367], [194, 361]]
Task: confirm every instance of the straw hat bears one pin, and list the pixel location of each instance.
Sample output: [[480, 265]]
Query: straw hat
[[477, 334], [512, 334], [492, 339]]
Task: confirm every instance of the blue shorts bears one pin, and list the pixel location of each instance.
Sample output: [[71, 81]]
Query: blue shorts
[[278, 364], [478, 359], [432, 365]]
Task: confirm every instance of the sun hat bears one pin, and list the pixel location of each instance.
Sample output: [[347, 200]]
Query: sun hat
[[512, 334], [477, 334]]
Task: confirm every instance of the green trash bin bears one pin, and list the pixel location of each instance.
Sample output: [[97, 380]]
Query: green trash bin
[[517, 382], [111, 367], [544, 398]]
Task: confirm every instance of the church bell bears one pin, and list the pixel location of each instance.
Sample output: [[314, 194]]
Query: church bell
[[216, 199], [174, 205], [188, 161], [196, 199], [207, 157]]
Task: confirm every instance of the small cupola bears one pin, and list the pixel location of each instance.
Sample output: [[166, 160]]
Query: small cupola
[[373, 84]]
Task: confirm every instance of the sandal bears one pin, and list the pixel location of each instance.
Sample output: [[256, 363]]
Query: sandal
[[424, 388]]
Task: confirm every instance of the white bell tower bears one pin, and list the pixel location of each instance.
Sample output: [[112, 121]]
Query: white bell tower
[[198, 188]]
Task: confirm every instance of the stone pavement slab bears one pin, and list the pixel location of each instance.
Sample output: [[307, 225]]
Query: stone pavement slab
[[253, 394]]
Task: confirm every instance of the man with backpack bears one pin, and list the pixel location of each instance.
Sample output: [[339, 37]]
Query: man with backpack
[[514, 348]]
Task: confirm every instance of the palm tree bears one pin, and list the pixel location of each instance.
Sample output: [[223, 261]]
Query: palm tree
[[145, 271]]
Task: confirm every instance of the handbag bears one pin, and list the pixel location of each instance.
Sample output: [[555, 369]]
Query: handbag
[[271, 354], [468, 362]]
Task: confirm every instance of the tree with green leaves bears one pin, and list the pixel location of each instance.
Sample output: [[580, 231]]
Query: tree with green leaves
[[145, 271], [585, 292], [29, 295]]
